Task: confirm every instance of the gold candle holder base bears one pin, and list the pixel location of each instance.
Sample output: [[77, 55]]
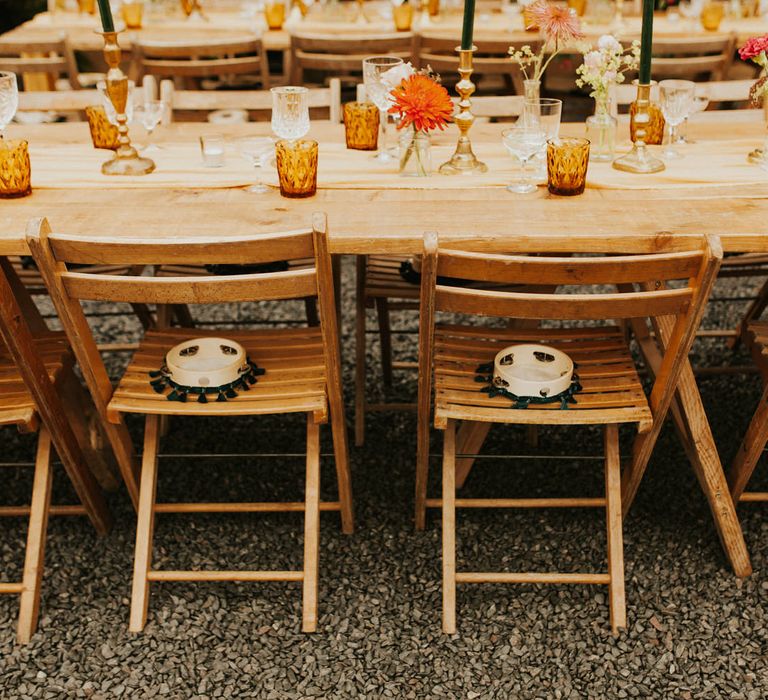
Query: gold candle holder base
[[126, 161], [639, 159], [464, 161]]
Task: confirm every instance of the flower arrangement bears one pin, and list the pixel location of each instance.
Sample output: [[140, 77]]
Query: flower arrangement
[[605, 65], [559, 27], [423, 105], [755, 50]]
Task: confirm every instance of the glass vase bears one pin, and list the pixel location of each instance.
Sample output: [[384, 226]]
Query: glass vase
[[601, 132], [532, 89], [759, 156], [415, 154]]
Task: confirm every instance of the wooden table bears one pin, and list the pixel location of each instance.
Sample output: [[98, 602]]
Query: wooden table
[[394, 220]]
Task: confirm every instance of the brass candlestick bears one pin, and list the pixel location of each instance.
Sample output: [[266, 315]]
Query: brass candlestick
[[126, 161], [464, 161], [639, 160]]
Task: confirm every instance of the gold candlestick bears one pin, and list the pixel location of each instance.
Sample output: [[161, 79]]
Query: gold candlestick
[[126, 161], [639, 160], [464, 161]]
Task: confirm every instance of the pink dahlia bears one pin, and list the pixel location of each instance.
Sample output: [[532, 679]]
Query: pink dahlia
[[754, 47]]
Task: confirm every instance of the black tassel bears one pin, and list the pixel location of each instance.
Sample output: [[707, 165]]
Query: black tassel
[[231, 393], [202, 398], [221, 397], [182, 397], [174, 396], [155, 373]]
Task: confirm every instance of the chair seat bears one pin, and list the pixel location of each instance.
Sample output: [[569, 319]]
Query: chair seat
[[17, 407], [744, 265], [383, 279], [294, 379], [611, 389]]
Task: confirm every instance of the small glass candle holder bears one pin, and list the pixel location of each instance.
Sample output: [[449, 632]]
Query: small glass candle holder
[[87, 7], [433, 7], [403, 16], [104, 133], [711, 15], [361, 125], [567, 160], [15, 169], [297, 167], [274, 12], [133, 13], [212, 149]]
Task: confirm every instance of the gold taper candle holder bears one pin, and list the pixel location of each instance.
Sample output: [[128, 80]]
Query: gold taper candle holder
[[127, 161], [464, 161], [639, 159]]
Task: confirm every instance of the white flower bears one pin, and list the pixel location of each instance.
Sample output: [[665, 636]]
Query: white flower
[[593, 60], [607, 42], [394, 76]]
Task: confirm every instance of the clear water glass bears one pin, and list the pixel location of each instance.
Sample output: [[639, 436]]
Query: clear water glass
[[701, 99], [151, 115], [9, 98], [676, 104], [545, 114], [258, 151], [377, 89], [523, 142], [290, 112]]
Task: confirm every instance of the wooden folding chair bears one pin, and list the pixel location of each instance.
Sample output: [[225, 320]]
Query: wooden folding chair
[[755, 438], [611, 394], [302, 369], [49, 60]]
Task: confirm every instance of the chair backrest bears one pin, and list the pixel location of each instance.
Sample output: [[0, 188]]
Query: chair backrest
[[491, 58], [187, 104], [693, 58], [719, 92], [57, 256], [58, 100], [52, 58], [192, 61], [492, 107], [343, 55], [639, 281]]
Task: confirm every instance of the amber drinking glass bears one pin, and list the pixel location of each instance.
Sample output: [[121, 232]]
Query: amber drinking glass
[[711, 15], [87, 6], [403, 16], [133, 12], [297, 167], [361, 125], [15, 169], [567, 160], [103, 133], [274, 12]]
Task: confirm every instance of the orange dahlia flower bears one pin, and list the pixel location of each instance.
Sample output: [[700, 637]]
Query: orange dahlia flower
[[421, 102]]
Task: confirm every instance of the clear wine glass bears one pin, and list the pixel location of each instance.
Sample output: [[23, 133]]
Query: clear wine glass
[[701, 98], [691, 10], [9, 99], [151, 115], [377, 89], [524, 142], [676, 103], [258, 151], [290, 112]]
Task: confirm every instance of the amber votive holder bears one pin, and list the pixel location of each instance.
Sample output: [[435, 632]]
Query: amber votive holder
[[87, 7], [133, 13], [297, 167], [361, 125], [15, 169], [104, 134], [403, 16], [567, 160], [274, 13]]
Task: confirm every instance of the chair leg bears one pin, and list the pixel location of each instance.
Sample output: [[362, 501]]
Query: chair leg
[[142, 561], [360, 349], [614, 525], [422, 461], [310, 308], [385, 335], [311, 527], [34, 560], [754, 312], [449, 529], [750, 449]]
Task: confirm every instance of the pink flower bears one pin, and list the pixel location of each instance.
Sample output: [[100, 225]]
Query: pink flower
[[754, 47], [607, 42], [593, 60], [557, 23]]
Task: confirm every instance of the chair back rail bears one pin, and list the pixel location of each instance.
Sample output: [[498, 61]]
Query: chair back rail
[[54, 58], [58, 100], [719, 91]]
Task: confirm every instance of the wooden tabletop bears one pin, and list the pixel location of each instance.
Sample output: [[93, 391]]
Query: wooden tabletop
[[394, 220]]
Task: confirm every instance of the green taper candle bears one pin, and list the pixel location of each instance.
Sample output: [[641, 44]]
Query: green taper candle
[[646, 42], [469, 23], [107, 23]]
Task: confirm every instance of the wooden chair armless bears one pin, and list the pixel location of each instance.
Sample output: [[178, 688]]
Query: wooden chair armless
[[53, 59]]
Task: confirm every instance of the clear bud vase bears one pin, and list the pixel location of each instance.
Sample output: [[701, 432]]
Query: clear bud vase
[[601, 132], [532, 89], [415, 154]]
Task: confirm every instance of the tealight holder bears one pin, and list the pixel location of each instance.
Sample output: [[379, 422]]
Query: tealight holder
[[15, 169], [639, 159], [127, 160], [361, 126], [133, 14], [104, 134], [567, 162], [464, 161], [297, 167], [403, 16]]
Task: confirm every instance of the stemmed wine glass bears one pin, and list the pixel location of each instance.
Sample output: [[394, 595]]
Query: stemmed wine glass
[[151, 115], [377, 89], [524, 142], [700, 102], [9, 99], [676, 103], [290, 112], [257, 150]]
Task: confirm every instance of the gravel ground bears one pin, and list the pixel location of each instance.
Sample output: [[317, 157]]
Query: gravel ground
[[695, 631]]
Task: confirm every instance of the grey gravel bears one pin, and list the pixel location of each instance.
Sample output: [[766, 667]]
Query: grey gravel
[[695, 631]]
